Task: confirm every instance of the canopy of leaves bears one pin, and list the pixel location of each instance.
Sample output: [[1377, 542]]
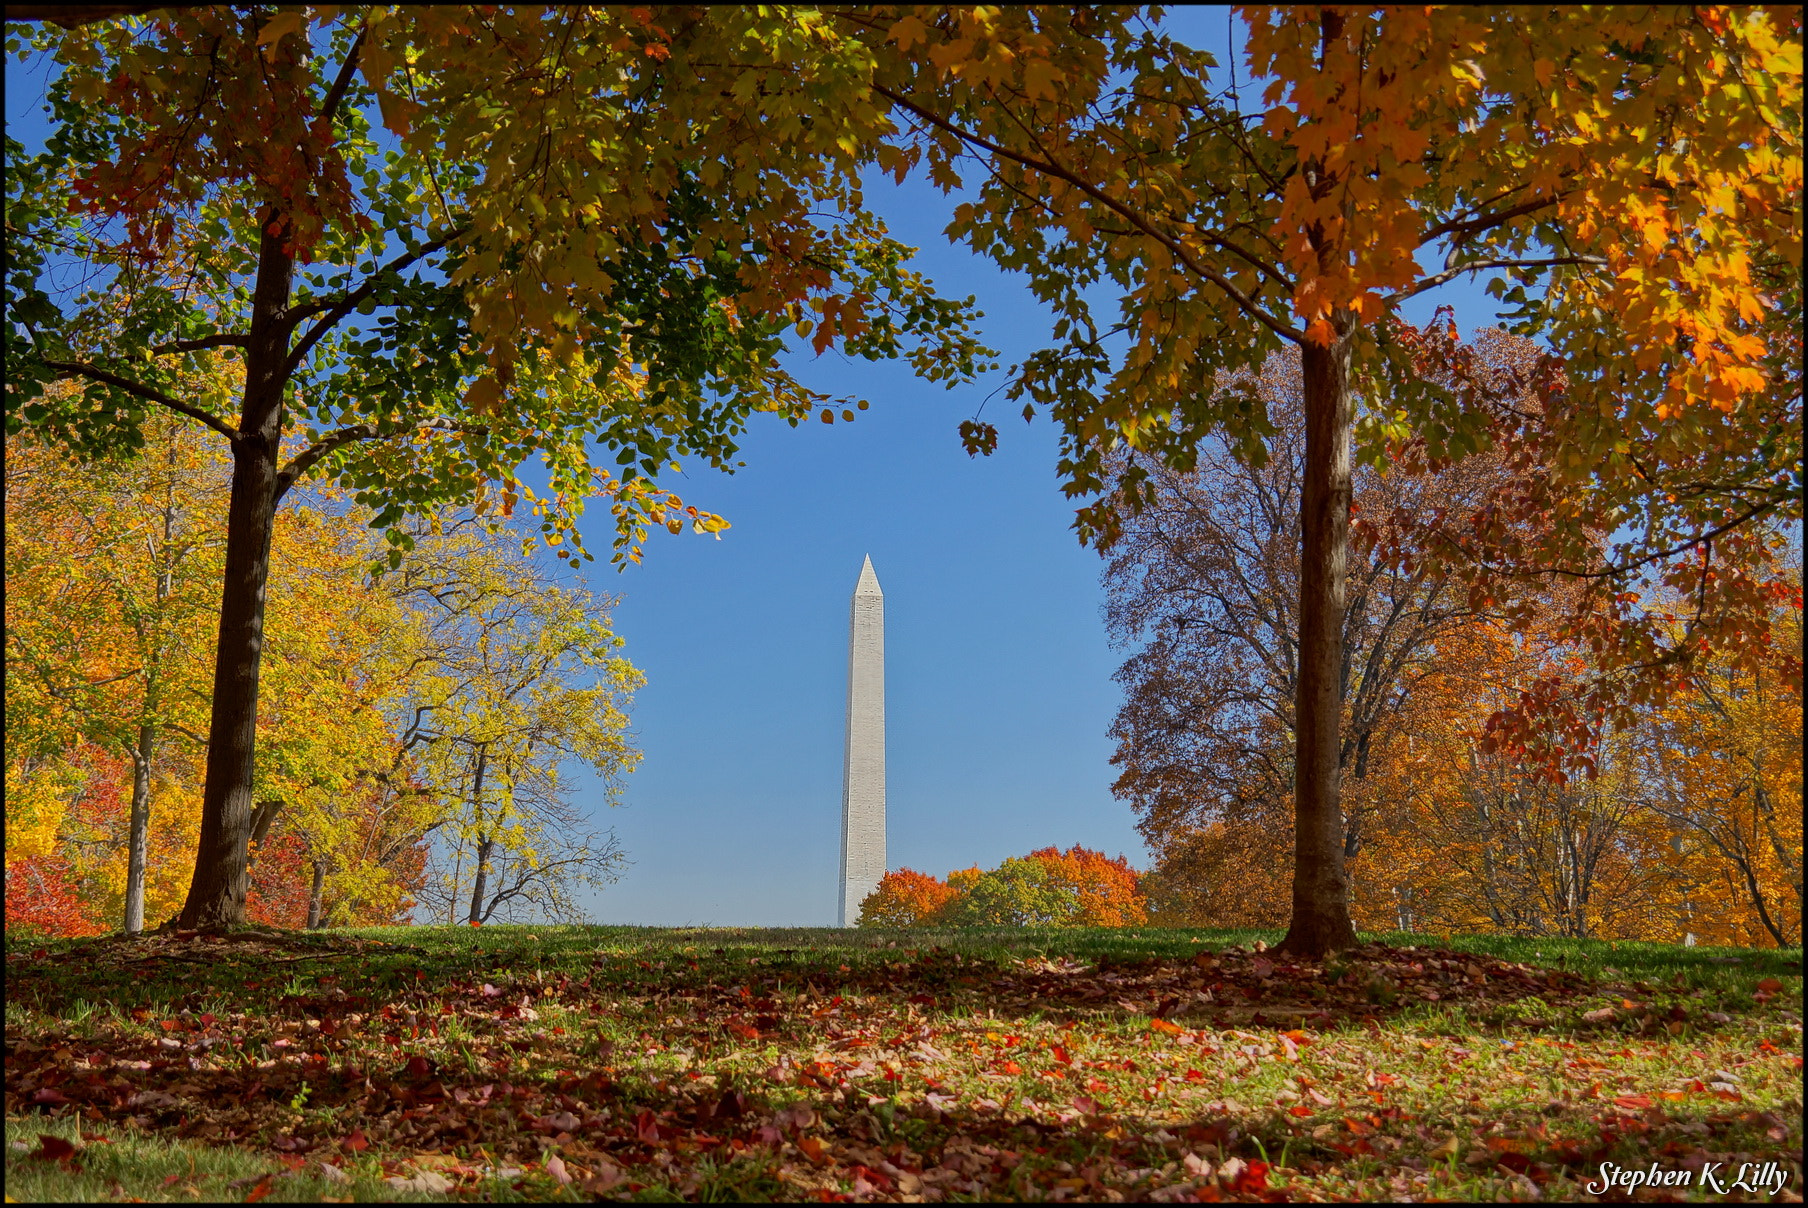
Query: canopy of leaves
[[577, 233]]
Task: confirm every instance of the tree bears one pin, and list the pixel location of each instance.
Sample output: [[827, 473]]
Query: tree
[[1018, 893], [516, 673], [1205, 582], [905, 898], [590, 239], [1106, 892], [1643, 168], [131, 562], [103, 733], [1078, 887], [1717, 763]]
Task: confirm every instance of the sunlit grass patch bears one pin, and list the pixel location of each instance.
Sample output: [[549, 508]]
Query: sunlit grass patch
[[783, 1064]]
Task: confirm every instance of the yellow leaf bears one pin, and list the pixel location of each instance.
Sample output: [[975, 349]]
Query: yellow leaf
[[280, 25], [908, 31]]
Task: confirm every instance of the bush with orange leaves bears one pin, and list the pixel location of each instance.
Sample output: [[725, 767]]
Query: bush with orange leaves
[[1107, 890], [905, 898], [1100, 892]]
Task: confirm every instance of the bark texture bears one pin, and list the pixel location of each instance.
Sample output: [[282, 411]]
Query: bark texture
[[216, 896], [1321, 887]]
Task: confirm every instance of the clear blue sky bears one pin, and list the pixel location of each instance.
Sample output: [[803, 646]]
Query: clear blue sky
[[998, 673]]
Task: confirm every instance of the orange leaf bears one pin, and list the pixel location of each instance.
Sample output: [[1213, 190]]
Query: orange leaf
[[1162, 1025]]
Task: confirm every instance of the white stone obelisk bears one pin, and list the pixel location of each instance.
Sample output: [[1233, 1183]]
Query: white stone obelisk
[[863, 787]]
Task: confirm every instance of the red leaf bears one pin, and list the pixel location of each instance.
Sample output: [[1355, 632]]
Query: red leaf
[[1062, 1055], [1299, 1110], [646, 1128], [260, 1191], [1252, 1178], [52, 1149], [357, 1142], [1633, 1101], [1770, 985], [1010, 1067]]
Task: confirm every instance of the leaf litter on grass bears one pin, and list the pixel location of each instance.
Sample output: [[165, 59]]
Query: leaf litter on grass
[[704, 1065]]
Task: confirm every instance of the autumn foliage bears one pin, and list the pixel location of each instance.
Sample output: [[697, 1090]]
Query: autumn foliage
[[1049, 887], [905, 898]]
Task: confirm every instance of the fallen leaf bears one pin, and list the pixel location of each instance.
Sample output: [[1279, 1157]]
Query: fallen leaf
[[52, 1149], [425, 1180], [555, 1166], [607, 1175]]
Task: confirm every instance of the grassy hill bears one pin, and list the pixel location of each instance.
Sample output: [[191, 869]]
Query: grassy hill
[[723, 1063]]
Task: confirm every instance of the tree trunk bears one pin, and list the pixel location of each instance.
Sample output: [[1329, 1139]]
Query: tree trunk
[[1321, 887], [216, 896], [138, 841], [315, 894], [480, 884], [487, 843]]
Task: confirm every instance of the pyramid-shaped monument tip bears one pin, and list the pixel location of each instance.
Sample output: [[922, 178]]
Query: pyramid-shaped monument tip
[[869, 582]]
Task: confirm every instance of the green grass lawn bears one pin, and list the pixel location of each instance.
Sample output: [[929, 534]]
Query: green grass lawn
[[721, 1064]]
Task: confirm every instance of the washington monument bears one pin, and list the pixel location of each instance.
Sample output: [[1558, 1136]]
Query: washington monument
[[863, 785]]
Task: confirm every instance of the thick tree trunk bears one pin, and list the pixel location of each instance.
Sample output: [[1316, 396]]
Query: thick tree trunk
[[138, 841], [216, 896], [1321, 887]]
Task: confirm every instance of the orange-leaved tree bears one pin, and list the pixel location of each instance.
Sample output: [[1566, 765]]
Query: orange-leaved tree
[[1078, 887], [1639, 171], [905, 898], [1107, 891]]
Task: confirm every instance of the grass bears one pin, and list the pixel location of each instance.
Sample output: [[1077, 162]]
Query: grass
[[742, 1064]]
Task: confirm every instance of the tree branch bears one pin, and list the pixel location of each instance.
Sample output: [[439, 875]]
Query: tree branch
[[72, 16], [336, 94], [81, 369], [1244, 302], [1449, 274], [228, 340], [332, 312], [1464, 228], [304, 461]]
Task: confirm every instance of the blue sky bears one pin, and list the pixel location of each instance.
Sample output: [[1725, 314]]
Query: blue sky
[[998, 693]]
